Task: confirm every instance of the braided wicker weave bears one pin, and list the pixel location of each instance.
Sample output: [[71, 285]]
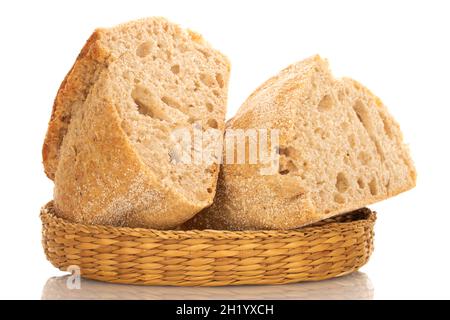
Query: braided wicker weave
[[331, 248]]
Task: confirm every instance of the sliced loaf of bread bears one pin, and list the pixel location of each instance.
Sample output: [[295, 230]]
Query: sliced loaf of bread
[[339, 150], [110, 146]]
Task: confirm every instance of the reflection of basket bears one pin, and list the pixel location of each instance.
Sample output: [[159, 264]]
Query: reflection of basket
[[210, 257], [355, 286]]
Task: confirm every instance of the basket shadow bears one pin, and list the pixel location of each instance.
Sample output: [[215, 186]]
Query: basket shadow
[[355, 286]]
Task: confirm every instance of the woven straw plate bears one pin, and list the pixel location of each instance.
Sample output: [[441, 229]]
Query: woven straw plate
[[328, 249]]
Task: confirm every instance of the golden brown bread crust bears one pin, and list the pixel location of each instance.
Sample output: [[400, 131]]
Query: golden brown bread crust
[[89, 63]]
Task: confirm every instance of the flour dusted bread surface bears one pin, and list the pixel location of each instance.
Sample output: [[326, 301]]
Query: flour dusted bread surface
[[340, 150], [109, 146]]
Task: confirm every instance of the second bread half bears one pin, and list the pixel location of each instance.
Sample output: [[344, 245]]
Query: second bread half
[[339, 150]]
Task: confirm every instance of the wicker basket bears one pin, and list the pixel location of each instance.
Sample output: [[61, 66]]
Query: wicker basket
[[328, 249]]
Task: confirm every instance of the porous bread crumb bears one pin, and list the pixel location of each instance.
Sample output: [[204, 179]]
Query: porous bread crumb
[[340, 150]]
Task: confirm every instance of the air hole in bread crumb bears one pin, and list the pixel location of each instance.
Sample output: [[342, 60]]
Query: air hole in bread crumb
[[321, 133], [388, 184], [356, 85], [287, 151], [286, 166], [326, 103], [209, 190], [360, 183], [219, 79], [128, 75], [379, 150], [352, 140], [364, 116], [212, 123], [205, 53], [146, 103], [207, 79], [341, 182], [338, 198], [171, 102], [210, 169], [65, 118], [216, 93], [209, 106], [192, 120], [373, 187], [175, 69], [387, 125], [144, 49], [364, 158]]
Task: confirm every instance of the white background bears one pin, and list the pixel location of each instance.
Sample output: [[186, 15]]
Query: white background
[[399, 49]]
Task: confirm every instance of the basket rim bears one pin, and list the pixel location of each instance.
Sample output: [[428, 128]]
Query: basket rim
[[357, 218]]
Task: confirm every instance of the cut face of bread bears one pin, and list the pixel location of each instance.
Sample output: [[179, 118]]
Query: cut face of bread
[[116, 149], [151, 38], [339, 150]]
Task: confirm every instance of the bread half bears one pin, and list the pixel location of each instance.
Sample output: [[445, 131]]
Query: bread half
[[110, 146], [339, 150]]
